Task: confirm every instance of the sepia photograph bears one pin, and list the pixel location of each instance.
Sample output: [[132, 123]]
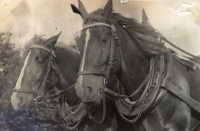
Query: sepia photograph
[[99, 65]]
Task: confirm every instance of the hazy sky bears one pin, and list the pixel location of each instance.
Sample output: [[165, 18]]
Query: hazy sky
[[24, 18]]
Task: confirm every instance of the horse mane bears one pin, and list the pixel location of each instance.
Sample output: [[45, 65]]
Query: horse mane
[[145, 36], [38, 40]]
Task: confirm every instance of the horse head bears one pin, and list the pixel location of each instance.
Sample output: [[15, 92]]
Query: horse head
[[106, 45], [99, 61], [113, 44], [36, 72]]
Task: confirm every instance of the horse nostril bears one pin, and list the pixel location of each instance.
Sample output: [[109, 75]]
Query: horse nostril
[[89, 88]]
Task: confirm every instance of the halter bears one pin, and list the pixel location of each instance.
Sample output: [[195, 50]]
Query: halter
[[51, 65]]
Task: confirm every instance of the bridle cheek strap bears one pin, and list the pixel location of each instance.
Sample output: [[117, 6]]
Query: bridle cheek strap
[[45, 81]]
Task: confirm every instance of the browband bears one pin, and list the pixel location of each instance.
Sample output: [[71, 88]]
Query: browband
[[44, 48], [99, 24]]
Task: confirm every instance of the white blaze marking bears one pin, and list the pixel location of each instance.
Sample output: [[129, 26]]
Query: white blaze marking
[[80, 78], [86, 44], [19, 81]]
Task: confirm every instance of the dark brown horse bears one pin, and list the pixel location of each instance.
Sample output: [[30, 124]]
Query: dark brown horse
[[43, 62], [111, 44]]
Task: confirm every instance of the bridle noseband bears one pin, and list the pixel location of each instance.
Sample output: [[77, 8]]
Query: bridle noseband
[[50, 66]]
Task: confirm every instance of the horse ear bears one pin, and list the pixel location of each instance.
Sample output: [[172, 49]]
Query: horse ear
[[75, 9], [52, 41], [145, 19], [82, 11], [108, 9]]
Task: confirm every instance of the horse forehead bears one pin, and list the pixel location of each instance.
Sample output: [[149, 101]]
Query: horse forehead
[[99, 31], [37, 51], [92, 18]]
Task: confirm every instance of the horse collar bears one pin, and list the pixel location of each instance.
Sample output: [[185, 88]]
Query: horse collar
[[72, 116], [148, 98]]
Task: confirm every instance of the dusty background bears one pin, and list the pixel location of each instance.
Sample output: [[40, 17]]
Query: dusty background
[[20, 20], [24, 18]]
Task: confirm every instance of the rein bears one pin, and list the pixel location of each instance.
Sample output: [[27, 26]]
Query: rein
[[165, 39]]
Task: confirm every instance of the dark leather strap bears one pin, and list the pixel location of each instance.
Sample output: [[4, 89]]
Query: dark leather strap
[[165, 39], [43, 48], [118, 95], [45, 81], [171, 88]]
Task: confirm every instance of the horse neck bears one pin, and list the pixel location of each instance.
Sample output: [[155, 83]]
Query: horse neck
[[134, 63], [68, 63]]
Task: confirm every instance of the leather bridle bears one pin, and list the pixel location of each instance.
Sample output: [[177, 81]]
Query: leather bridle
[[51, 65], [115, 41], [79, 112]]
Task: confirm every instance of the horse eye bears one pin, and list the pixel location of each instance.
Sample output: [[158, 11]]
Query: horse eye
[[38, 60], [104, 41]]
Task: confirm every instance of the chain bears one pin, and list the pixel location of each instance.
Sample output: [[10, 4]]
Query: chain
[[149, 92], [66, 123]]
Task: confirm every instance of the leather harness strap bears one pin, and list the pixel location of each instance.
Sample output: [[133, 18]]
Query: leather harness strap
[[165, 39], [45, 81], [171, 88], [125, 96]]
